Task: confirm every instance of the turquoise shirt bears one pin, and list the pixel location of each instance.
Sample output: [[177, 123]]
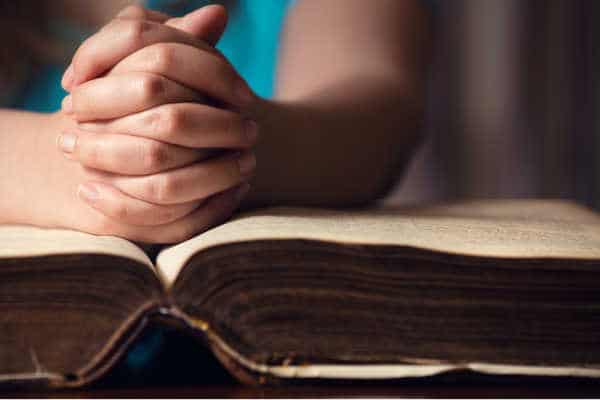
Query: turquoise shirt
[[250, 42]]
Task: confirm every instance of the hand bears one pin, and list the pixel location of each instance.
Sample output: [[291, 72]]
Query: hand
[[149, 154], [41, 189]]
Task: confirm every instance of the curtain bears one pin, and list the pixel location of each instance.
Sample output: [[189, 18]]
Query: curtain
[[512, 101]]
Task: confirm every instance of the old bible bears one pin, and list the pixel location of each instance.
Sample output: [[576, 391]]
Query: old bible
[[279, 294]]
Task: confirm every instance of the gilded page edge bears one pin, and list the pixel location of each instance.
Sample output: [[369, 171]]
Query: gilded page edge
[[399, 371], [394, 371], [385, 371]]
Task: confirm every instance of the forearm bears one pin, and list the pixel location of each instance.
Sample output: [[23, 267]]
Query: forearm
[[25, 161], [348, 104], [344, 145]]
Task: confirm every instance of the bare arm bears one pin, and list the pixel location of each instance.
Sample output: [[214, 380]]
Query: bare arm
[[346, 115], [54, 174], [30, 177], [344, 120]]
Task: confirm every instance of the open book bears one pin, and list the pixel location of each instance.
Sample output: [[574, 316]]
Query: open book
[[501, 287]]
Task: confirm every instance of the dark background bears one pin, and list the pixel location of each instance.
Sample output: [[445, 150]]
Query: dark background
[[512, 103]]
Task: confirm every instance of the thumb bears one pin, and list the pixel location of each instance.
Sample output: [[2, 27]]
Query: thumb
[[206, 23]]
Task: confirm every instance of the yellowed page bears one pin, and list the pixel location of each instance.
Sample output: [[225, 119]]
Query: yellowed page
[[19, 241], [399, 371], [492, 228]]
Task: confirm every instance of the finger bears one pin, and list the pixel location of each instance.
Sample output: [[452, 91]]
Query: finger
[[118, 95], [207, 23], [120, 38], [126, 155], [196, 181], [67, 79], [135, 11], [211, 75], [185, 124], [128, 210], [212, 212]]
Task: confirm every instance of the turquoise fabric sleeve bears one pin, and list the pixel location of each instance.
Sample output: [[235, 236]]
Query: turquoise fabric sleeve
[[251, 43], [43, 92]]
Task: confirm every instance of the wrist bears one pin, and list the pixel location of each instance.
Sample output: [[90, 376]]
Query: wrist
[[32, 170], [59, 122]]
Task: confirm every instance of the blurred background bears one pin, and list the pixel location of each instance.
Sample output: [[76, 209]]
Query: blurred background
[[512, 103]]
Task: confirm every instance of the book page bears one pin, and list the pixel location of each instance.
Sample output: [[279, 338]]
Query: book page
[[487, 228], [18, 241]]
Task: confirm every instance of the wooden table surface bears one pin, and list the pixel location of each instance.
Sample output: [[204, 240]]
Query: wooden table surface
[[423, 390]]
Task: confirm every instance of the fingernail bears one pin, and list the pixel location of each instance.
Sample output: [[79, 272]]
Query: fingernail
[[67, 79], [247, 163], [67, 142], [251, 129], [88, 193], [241, 192], [67, 104]]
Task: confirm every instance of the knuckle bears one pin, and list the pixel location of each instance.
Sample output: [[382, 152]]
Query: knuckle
[[152, 189], [160, 215], [154, 155], [162, 189], [121, 212], [132, 11], [169, 189], [90, 154], [235, 127], [153, 120], [151, 86], [134, 30], [161, 57], [172, 120], [223, 74], [83, 59]]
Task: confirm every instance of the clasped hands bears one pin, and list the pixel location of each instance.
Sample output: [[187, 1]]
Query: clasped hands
[[162, 127]]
